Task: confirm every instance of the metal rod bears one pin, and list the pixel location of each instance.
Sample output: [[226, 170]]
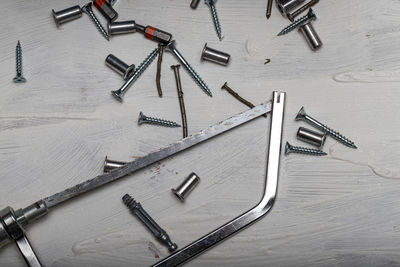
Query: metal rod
[[181, 101], [159, 61], [301, 9], [262, 208], [238, 97]]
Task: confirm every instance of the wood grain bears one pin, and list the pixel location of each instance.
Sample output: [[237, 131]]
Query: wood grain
[[55, 130]]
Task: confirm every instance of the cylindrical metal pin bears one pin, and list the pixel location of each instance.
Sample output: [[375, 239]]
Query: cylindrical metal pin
[[311, 36], [119, 66], [285, 6], [311, 137], [215, 56], [106, 9], [121, 27], [187, 186], [194, 4], [68, 14], [110, 165]]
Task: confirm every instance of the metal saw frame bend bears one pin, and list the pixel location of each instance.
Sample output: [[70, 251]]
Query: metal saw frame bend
[[261, 209]]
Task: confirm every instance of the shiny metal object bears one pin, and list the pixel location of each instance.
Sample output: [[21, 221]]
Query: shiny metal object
[[41, 207], [183, 190], [119, 94], [156, 121], [110, 165], [212, 55], [18, 58], [269, 9], [303, 150], [311, 137], [106, 9], [137, 209], [301, 9], [285, 6], [302, 115], [310, 16], [11, 229], [119, 66], [249, 217], [68, 14], [171, 47], [87, 9], [154, 34], [311, 36], [112, 2], [121, 27], [194, 4], [214, 14]]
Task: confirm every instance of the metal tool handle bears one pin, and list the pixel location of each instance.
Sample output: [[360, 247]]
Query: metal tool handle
[[27, 251]]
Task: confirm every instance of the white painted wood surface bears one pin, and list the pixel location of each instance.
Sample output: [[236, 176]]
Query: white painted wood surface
[[340, 210]]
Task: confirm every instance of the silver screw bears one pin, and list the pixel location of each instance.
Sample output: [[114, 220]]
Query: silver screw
[[303, 116], [18, 56], [303, 150], [87, 9], [118, 94], [310, 16], [156, 121], [172, 48], [211, 4]]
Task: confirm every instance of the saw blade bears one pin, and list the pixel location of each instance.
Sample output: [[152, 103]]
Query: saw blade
[[156, 156]]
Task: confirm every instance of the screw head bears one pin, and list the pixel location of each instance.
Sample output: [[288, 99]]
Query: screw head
[[210, 2], [87, 7], [311, 14], [19, 79], [117, 94], [301, 115], [288, 148], [170, 46], [142, 118]]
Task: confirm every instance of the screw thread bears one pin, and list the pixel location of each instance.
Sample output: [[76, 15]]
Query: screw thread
[[146, 62], [96, 22], [197, 78], [338, 136], [18, 57], [216, 21], [307, 151], [130, 202], [294, 25], [161, 122]]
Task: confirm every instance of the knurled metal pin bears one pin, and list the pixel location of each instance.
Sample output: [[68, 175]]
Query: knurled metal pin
[[183, 190], [119, 66], [68, 14]]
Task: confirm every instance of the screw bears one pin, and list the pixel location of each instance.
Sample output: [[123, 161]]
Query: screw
[[211, 4], [303, 150], [310, 16], [118, 94], [301, 9], [269, 8], [137, 209], [172, 48], [18, 56], [156, 121], [87, 9], [303, 116]]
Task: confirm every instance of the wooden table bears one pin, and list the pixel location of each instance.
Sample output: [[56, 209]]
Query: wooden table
[[339, 210]]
